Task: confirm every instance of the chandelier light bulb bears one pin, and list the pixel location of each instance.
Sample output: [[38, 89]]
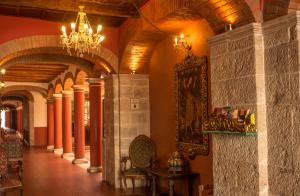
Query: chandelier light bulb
[[86, 26], [102, 38], [90, 31], [63, 29], [181, 36], [176, 41], [99, 29], [73, 25]]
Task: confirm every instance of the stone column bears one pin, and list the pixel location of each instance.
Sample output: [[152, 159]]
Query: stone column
[[79, 125], [50, 124], [67, 124], [58, 148], [238, 80], [95, 125]]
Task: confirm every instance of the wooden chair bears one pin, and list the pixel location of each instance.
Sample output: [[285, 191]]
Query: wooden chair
[[9, 181], [141, 156], [14, 151]]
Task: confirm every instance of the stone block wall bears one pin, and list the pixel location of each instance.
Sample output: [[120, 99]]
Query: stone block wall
[[283, 103], [237, 80], [131, 121]]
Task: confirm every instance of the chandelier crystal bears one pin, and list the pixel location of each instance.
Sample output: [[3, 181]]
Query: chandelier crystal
[[83, 40]]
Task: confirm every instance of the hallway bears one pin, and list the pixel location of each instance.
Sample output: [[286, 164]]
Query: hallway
[[46, 174]]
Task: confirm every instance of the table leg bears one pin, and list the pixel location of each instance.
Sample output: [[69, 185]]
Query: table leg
[[153, 185], [171, 187]]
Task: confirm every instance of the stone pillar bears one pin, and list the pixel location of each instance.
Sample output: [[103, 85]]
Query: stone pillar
[[123, 122], [95, 125], [21, 120], [58, 148], [238, 80], [79, 124], [50, 124], [67, 124]]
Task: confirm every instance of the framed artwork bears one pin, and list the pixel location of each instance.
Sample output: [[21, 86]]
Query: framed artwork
[[191, 93]]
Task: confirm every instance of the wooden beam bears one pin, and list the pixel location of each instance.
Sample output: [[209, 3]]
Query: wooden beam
[[95, 8]]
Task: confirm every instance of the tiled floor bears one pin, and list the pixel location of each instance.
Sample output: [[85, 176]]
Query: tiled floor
[[46, 174]]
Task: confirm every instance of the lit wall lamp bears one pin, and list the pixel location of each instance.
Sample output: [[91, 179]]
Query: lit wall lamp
[[182, 42], [133, 68], [228, 27], [2, 84]]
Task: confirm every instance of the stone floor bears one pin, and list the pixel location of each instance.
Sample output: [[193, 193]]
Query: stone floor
[[46, 174]]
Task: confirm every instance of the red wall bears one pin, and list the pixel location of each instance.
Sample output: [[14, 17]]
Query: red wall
[[16, 27], [40, 136]]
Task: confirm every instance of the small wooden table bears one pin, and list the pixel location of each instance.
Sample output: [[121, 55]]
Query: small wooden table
[[171, 177]]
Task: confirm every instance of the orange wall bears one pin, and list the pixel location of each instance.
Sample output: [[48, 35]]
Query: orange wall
[[40, 136], [162, 100], [16, 27]]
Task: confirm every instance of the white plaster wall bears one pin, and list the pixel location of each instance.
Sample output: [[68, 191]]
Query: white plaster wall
[[39, 110]]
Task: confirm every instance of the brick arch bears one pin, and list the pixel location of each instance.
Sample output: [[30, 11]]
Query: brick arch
[[68, 81], [275, 8], [80, 77], [50, 91], [58, 86], [40, 90], [138, 38], [52, 42]]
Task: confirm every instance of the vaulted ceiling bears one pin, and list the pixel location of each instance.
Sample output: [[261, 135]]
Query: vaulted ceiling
[[106, 12]]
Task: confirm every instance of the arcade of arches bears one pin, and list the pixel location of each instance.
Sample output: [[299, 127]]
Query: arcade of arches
[[81, 107]]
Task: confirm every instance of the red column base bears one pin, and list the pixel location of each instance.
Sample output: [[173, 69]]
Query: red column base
[[94, 169], [79, 161]]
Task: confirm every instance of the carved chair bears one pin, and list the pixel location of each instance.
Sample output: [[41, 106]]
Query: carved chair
[[9, 181], [141, 157], [14, 151]]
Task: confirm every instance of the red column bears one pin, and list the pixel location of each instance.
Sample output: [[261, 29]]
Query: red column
[[18, 119], [50, 124], [57, 123], [79, 125], [95, 125], [21, 120], [67, 124]]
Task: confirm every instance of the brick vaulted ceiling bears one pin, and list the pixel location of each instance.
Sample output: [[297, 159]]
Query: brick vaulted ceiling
[[107, 12]]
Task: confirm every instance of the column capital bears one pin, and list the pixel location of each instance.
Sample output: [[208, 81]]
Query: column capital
[[50, 100], [78, 88], [57, 95], [67, 93], [95, 81]]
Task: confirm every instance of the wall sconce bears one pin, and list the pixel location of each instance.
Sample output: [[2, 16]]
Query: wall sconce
[[133, 69], [2, 84], [182, 42], [228, 27]]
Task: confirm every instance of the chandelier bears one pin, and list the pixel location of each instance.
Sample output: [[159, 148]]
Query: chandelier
[[83, 40]]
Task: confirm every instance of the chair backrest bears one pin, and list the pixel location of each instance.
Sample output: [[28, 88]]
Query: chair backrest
[[12, 148], [142, 151]]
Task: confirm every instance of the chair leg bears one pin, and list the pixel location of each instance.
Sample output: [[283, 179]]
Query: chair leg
[[125, 183], [133, 184], [21, 192]]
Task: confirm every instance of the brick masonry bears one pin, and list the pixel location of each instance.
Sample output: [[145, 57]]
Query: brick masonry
[[132, 122]]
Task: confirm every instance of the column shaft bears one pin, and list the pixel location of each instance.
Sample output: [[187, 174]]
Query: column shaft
[[79, 124], [67, 123], [57, 123], [50, 124]]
